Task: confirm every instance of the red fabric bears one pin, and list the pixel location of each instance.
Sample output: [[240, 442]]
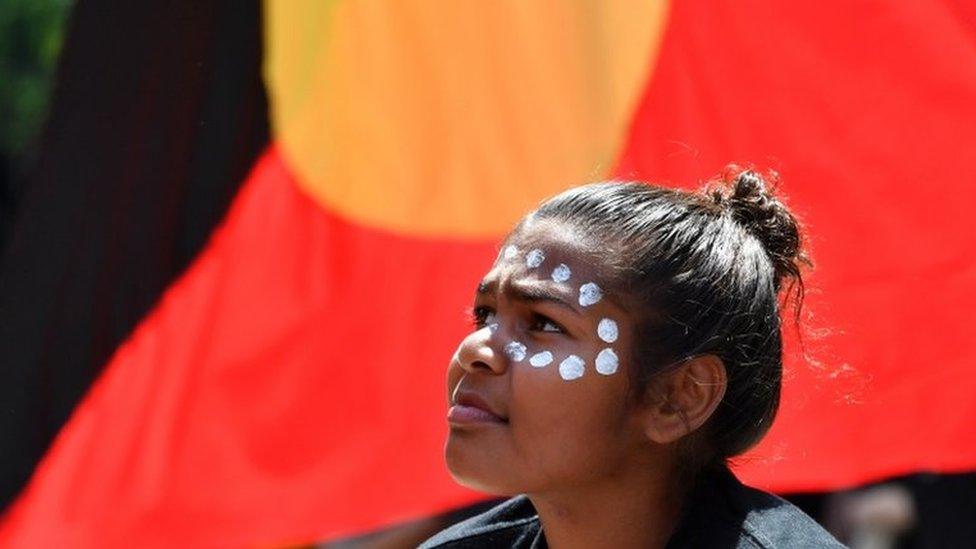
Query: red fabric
[[867, 109], [290, 386]]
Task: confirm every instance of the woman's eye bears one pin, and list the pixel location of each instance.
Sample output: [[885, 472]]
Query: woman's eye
[[482, 316], [544, 324]]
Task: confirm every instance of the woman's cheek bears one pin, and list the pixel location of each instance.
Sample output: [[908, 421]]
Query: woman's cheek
[[539, 396], [549, 400]]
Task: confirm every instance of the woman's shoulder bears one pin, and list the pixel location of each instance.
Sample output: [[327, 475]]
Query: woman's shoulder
[[727, 513], [512, 523], [723, 512]]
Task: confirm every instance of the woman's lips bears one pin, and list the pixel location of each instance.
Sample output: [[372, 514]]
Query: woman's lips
[[471, 408]]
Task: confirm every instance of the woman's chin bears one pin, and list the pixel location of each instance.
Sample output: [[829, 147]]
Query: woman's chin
[[478, 474], [477, 484]]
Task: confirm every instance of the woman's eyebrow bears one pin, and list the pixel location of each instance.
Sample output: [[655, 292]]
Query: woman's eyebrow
[[529, 292], [538, 292]]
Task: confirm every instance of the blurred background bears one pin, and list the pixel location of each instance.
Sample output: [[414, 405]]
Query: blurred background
[[238, 240]]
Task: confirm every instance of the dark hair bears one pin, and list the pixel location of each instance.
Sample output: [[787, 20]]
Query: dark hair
[[707, 269]]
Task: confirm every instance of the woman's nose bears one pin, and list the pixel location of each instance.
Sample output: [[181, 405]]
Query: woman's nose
[[482, 352]]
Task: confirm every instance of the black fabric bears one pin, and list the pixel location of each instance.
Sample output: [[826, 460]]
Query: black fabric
[[158, 112], [721, 512], [946, 509]]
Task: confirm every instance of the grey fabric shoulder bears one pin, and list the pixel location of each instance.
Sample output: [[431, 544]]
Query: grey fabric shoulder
[[512, 523], [772, 522], [723, 512]]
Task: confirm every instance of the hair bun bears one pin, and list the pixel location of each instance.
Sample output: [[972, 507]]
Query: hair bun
[[752, 203]]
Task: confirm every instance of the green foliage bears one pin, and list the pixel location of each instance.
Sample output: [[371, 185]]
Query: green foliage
[[31, 35]]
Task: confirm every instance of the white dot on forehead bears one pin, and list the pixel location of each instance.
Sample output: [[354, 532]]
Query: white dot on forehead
[[534, 258], [515, 351], [510, 252], [590, 293], [607, 330], [606, 362], [541, 359], [572, 367], [561, 273]]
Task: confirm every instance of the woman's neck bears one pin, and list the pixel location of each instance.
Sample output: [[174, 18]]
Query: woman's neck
[[638, 510]]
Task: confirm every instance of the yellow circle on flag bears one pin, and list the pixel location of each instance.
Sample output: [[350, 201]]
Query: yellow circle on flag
[[452, 119]]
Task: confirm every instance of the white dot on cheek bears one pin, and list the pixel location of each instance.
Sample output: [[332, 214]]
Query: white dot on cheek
[[515, 351], [606, 362], [534, 258], [561, 273], [541, 359], [572, 368], [607, 330], [590, 293], [510, 252]]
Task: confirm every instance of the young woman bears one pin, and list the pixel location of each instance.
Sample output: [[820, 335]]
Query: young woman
[[627, 343]]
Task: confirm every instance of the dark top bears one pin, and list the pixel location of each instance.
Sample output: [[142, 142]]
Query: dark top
[[721, 512]]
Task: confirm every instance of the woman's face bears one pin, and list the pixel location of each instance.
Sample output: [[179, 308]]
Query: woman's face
[[549, 360]]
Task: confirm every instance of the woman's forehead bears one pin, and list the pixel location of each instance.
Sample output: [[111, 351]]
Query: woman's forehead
[[551, 242], [547, 254], [546, 258]]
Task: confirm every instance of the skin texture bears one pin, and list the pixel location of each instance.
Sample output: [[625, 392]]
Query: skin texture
[[597, 466]]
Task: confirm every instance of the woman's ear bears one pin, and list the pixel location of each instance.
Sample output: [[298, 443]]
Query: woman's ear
[[683, 400]]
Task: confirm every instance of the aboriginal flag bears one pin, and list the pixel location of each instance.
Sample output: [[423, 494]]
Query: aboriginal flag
[[244, 254]]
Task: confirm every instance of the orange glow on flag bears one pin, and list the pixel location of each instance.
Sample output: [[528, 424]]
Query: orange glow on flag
[[451, 120]]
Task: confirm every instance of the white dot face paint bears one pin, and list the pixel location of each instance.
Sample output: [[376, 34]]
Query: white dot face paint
[[515, 351], [606, 362], [534, 258], [561, 273], [572, 368], [607, 330], [493, 327], [510, 252], [541, 359], [589, 294]]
